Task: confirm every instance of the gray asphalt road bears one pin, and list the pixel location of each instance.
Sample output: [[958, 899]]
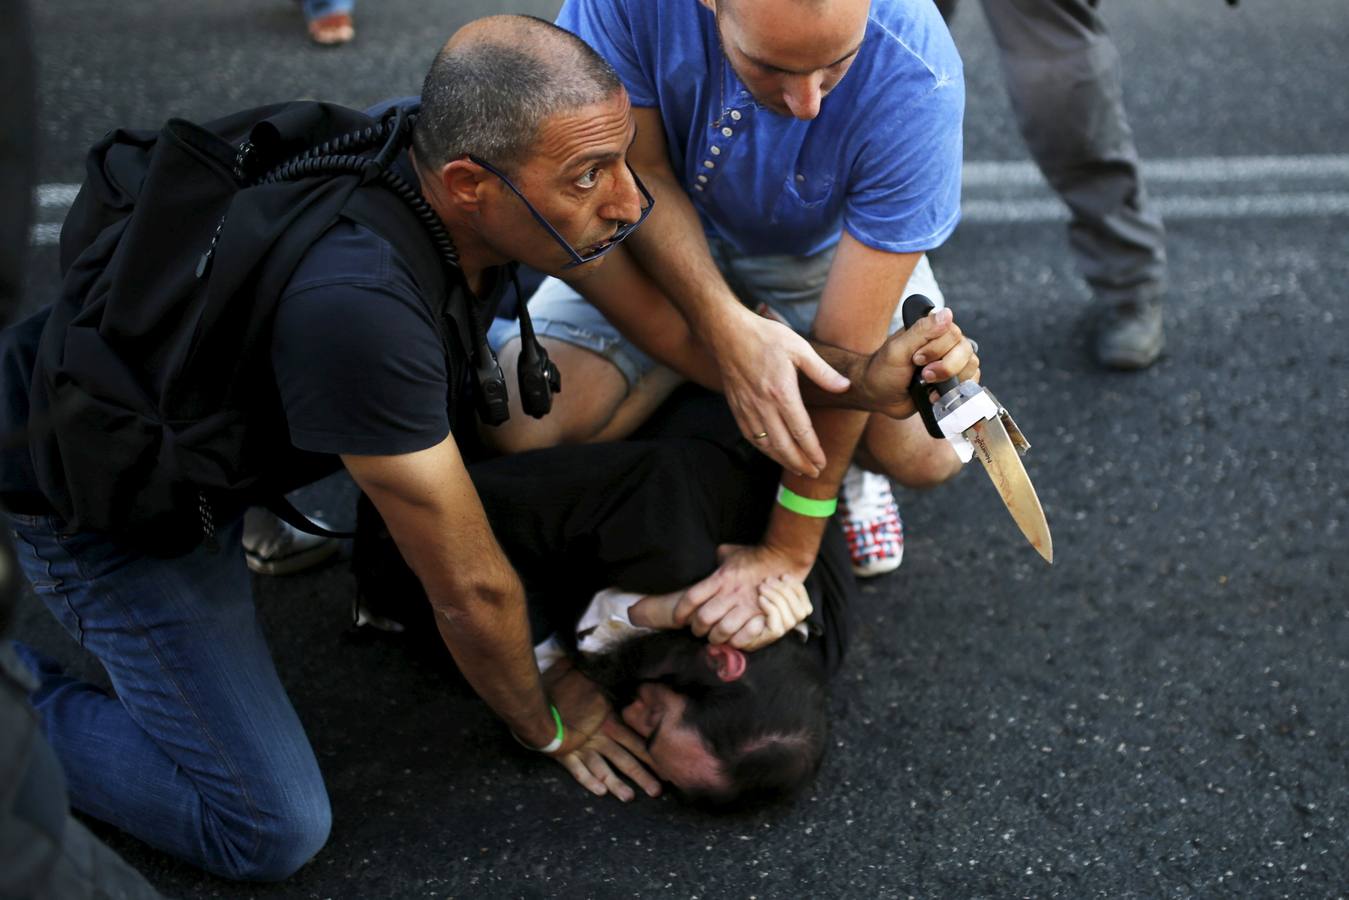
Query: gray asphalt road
[[1164, 713]]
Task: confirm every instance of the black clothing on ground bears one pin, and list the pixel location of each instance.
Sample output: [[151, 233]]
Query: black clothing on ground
[[18, 350], [644, 515]]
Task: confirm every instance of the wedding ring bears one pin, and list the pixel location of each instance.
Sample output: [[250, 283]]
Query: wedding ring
[[761, 435]]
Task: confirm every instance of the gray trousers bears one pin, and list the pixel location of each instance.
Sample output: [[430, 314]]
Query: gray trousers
[[1063, 78]]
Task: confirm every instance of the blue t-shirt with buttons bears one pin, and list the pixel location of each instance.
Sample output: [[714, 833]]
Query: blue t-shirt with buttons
[[881, 160]]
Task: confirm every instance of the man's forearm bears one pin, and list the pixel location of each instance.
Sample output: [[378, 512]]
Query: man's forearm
[[644, 313], [428, 502], [850, 365], [670, 341], [673, 250], [879, 382], [799, 536], [488, 635]]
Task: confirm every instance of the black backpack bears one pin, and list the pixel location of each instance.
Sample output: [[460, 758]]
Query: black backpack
[[153, 410]]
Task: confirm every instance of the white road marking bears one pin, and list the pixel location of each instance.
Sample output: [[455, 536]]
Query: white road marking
[[56, 196], [1173, 208], [1217, 187], [1213, 170], [46, 234]]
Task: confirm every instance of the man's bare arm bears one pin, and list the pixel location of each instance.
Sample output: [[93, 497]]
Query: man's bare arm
[[877, 382], [856, 307], [438, 523], [855, 311], [757, 359]]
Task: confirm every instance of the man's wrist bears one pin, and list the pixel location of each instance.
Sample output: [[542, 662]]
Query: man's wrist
[[810, 507], [654, 611], [558, 739], [718, 319], [538, 728], [795, 538], [852, 366]]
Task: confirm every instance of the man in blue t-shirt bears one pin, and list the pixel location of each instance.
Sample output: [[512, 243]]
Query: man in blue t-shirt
[[804, 155]]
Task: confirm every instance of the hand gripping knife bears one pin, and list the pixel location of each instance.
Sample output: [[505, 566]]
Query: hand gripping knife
[[976, 424]]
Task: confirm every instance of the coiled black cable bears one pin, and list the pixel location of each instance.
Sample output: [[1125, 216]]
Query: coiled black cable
[[343, 156]]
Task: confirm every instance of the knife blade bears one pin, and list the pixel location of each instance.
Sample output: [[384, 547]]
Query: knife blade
[[975, 423], [996, 451]]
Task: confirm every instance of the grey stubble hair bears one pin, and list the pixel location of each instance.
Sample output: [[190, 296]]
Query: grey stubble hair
[[489, 97]]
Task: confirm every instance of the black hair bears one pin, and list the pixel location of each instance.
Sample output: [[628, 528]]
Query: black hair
[[488, 95], [768, 728]]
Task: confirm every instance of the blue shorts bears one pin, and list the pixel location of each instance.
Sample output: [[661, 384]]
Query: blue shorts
[[787, 288]]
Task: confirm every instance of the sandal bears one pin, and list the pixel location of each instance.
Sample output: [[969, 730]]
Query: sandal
[[331, 30]]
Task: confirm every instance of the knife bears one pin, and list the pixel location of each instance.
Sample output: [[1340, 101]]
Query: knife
[[968, 416]]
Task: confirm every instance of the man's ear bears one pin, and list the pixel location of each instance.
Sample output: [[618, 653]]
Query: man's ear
[[728, 662], [462, 181]]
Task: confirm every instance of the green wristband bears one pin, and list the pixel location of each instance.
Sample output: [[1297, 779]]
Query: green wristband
[[558, 739], [805, 506]]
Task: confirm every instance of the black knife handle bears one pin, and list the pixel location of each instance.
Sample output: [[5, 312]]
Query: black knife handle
[[914, 307]]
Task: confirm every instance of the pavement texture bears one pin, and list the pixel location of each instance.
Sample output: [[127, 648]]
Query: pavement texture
[[1164, 713]]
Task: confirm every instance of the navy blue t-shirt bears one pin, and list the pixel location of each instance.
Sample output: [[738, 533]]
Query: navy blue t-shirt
[[357, 355]]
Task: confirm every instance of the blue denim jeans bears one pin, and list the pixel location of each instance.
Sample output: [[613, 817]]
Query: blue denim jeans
[[198, 752], [315, 9]]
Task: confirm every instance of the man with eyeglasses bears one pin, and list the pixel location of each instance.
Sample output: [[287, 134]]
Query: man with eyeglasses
[[200, 752]]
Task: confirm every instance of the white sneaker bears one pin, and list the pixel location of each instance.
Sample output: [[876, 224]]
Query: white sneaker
[[272, 547], [870, 519]]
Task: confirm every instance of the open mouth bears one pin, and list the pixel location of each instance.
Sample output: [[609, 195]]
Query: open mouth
[[600, 245]]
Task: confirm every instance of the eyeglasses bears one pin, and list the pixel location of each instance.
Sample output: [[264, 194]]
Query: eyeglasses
[[576, 258]]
